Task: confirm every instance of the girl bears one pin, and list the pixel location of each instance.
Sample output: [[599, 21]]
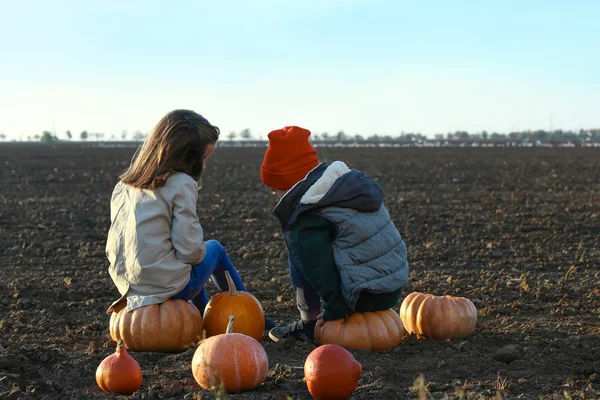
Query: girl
[[155, 244]]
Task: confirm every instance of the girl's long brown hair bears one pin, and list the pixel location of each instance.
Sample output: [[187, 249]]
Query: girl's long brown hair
[[176, 144]]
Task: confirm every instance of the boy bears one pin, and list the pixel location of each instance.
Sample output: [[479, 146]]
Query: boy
[[342, 245]]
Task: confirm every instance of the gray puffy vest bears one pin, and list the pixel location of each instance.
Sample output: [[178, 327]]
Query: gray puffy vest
[[368, 251]]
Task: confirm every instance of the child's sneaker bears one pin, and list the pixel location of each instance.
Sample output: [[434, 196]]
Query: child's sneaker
[[269, 323], [300, 330]]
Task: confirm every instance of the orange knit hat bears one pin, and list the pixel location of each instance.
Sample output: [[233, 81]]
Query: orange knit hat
[[288, 159]]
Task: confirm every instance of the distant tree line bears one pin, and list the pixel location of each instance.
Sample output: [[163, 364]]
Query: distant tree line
[[461, 136], [483, 136], [531, 136], [49, 137]]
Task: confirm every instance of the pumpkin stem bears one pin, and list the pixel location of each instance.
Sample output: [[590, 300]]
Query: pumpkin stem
[[121, 347], [232, 290], [230, 324]]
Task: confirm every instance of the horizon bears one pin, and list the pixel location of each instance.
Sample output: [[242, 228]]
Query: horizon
[[367, 68], [588, 137], [316, 136]]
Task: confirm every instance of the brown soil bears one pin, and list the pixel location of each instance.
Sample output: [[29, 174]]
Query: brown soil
[[515, 230]]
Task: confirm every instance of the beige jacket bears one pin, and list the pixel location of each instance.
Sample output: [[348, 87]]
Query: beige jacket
[[154, 238]]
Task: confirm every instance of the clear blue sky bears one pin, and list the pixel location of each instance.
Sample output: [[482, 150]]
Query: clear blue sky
[[359, 66]]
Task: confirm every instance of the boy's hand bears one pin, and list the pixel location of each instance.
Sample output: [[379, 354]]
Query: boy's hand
[[320, 321]]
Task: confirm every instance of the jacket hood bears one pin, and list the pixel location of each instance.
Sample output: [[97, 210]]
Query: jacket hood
[[335, 185], [340, 186]]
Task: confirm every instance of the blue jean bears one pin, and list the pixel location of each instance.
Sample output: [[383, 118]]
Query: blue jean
[[307, 300], [213, 266]]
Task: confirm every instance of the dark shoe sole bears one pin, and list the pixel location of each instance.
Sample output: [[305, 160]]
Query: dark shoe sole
[[283, 343], [275, 338], [288, 341]]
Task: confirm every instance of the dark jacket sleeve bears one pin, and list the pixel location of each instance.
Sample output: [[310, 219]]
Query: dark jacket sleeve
[[312, 238]]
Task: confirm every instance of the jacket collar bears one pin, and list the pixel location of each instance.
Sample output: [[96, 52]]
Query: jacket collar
[[321, 187]]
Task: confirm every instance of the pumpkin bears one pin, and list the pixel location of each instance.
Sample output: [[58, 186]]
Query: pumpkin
[[331, 372], [438, 317], [232, 361], [249, 314], [171, 327], [372, 331], [119, 372]]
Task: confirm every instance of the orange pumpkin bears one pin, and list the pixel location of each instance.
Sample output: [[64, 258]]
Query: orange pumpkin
[[331, 372], [173, 326], [119, 372], [249, 314], [233, 361], [367, 331], [438, 317]]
